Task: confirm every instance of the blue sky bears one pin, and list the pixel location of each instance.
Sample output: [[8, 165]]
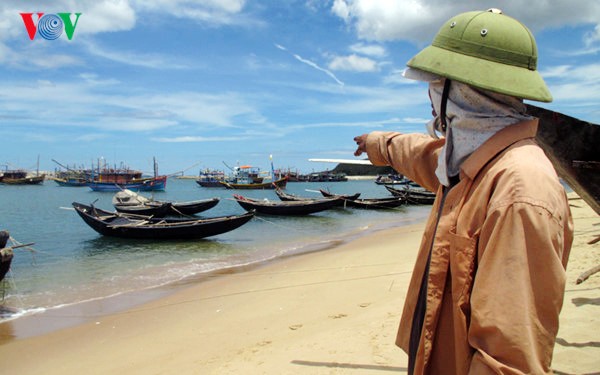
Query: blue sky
[[199, 83]]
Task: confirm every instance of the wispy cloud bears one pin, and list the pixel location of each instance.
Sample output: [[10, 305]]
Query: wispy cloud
[[154, 61], [353, 63], [197, 139], [311, 64]]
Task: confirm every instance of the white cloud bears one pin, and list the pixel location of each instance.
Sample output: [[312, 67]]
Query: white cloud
[[419, 20], [593, 37], [353, 63], [209, 12], [134, 58], [372, 50]]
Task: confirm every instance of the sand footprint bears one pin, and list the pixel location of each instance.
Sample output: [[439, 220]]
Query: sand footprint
[[338, 316], [295, 327]]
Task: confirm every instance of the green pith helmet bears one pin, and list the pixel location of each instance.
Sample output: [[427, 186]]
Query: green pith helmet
[[489, 50]]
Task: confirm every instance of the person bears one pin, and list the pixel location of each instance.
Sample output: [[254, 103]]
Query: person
[[488, 283]]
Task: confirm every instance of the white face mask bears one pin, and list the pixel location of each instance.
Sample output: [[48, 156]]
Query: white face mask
[[472, 116]]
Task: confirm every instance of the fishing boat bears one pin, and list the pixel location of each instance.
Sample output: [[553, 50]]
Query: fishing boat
[[346, 197], [367, 203], [280, 183], [210, 178], [413, 195], [572, 147], [21, 177], [115, 179], [390, 179], [71, 176], [138, 184], [116, 224], [249, 177], [155, 209], [130, 202], [6, 254], [376, 203], [290, 197], [286, 208], [70, 181]]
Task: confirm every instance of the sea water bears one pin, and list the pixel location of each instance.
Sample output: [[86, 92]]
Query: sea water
[[70, 263]]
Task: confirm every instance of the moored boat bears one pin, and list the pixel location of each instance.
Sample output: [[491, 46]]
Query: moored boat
[[131, 202], [367, 203], [348, 197], [280, 183], [21, 177], [210, 178], [138, 184], [286, 208], [413, 195], [144, 227], [390, 179]]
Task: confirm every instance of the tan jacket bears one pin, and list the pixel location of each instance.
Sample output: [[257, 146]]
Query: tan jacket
[[498, 254]]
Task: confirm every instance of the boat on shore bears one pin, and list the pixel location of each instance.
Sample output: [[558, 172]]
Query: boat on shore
[[287, 208], [572, 147], [116, 224]]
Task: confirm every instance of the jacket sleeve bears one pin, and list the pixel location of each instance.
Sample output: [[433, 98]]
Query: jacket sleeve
[[518, 290], [413, 155]]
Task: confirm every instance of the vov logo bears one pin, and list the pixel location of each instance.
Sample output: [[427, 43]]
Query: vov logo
[[50, 26]]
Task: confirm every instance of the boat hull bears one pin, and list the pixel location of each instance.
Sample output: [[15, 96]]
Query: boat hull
[[572, 147], [287, 208], [141, 227], [281, 183], [150, 184]]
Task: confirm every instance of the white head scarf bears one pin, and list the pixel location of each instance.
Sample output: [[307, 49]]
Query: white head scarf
[[473, 116]]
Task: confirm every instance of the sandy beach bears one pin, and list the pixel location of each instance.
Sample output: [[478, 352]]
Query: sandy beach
[[328, 312]]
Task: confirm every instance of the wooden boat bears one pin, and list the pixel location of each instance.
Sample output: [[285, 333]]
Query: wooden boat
[[210, 178], [281, 183], [20, 177], [71, 181], [72, 177], [390, 179], [286, 207], [413, 195], [376, 203], [351, 197], [6, 254], [290, 197], [367, 203], [155, 209], [572, 147], [140, 184], [135, 226], [130, 202], [116, 179], [193, 207]]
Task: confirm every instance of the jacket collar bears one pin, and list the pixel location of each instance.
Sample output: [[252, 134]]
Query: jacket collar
[[497, 143]]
